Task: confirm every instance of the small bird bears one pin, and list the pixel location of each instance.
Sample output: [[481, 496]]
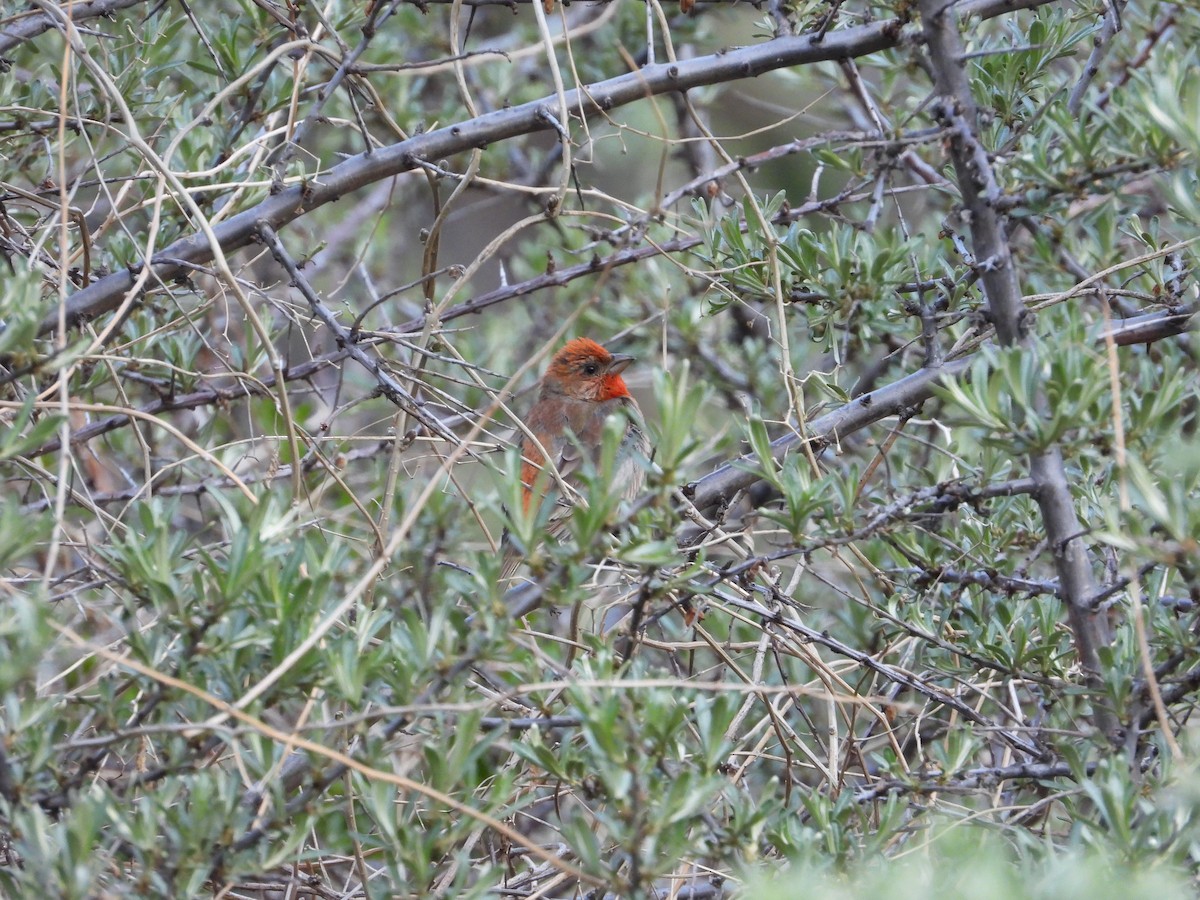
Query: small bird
[[581, 388]]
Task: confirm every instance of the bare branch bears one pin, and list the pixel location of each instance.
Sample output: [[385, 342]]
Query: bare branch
[[909, 392], [955, 108], [293, 202], [388, 386], [32, 24], [971, 779], [1101, 42]]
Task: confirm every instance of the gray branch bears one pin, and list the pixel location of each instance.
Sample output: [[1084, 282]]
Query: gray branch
[[369, 167], [28, 27], [955, 108], [937, 780], [1155, 326], [719, 486], [1101, 42], [388, 386]]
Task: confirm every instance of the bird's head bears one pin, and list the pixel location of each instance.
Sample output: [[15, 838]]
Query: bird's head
[[586, 371]]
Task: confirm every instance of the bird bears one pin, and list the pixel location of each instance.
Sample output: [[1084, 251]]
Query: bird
[[581, 389]]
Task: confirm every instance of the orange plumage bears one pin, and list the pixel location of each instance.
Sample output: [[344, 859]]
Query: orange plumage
[[581, 388]]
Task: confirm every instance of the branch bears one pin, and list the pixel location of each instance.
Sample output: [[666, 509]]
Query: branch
[[1101, 42], [388, 386], [993, 581], [1153, 326], [598, 99], [955, 108], [245, 388], [8, 786], [937, 781], [719, 486], [377, 15], [33, 24]]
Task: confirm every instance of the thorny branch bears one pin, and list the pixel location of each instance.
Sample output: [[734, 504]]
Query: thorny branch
[[595, 99], [955, 107], [745, 587]]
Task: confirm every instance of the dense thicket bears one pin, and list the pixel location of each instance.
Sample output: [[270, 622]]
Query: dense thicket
[[912, 594]]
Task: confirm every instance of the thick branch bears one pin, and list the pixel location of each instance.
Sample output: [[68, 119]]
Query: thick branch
[[911, 391], [597, 99], [956, 110], [1153, 326], [8, 787]]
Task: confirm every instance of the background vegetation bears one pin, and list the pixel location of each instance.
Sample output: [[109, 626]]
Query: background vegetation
[[912, 592]]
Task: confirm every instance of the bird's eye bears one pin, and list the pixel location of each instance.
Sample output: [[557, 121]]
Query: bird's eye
[[591, 369]]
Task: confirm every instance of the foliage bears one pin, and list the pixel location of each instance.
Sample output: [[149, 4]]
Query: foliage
[[908, 605]]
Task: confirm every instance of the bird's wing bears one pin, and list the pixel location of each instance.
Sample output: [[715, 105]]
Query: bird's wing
[[569, 459]]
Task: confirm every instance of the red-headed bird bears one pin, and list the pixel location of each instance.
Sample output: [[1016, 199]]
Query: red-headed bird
[[581, 388]]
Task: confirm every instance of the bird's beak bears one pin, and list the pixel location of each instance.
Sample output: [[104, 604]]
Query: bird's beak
[[620, 362]]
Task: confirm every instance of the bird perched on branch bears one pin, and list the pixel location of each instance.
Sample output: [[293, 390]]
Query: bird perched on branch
[[581, 389]]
